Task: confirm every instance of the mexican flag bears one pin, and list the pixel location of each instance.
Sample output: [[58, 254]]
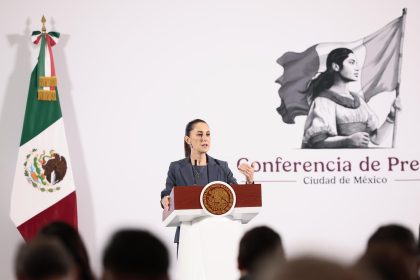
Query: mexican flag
[[43, 187], [378, 56]]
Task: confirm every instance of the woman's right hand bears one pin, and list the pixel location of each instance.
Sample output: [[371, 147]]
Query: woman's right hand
[[359, 140], [166, 202]]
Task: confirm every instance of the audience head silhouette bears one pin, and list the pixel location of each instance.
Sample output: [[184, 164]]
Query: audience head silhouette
[[259, 249], [44, 259], [135, 254], [394, 234], [391, 253], [72, 242]]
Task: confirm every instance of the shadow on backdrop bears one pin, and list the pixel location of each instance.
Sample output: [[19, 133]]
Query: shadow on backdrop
[[11, 122], [85, 207]]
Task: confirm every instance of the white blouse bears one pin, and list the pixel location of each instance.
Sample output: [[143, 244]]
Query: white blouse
[[331, 114]]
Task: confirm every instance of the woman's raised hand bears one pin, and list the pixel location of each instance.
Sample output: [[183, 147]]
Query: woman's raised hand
[[248, 171]]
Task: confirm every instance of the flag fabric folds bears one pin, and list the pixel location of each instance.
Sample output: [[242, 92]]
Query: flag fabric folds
[[43, 188], [378, 56]]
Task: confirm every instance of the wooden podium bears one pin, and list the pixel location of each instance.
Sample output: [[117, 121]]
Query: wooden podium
[[208, 244]]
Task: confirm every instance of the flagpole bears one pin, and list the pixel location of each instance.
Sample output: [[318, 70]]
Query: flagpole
[[397, 89]]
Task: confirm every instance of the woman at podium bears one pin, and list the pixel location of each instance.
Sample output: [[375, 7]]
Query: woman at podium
[[198, 168]]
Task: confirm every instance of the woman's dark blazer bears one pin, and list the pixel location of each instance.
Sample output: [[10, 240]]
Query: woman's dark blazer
[[181, 174]]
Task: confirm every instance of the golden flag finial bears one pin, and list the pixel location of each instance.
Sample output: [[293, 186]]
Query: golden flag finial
[[43, 20]]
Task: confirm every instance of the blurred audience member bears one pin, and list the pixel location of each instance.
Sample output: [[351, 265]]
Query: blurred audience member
[[44, 259], [418, 255], [395, 234], [260, 253], [135, 255], [391, 253], [73, 243], [388, 262], [311, 268]]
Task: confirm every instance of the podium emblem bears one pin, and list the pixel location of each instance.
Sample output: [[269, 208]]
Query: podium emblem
[[218, 198]]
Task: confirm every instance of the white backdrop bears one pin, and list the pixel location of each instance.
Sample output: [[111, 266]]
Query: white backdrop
[[133, 73]]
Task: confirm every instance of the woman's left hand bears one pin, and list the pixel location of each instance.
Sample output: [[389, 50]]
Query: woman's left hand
[[248, 171]]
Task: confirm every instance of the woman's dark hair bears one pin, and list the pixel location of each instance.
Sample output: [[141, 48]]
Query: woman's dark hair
[[72, 242], [188, 128], [325, 80]]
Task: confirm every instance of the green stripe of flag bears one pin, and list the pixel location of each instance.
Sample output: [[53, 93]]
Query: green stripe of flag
[[39, 115]]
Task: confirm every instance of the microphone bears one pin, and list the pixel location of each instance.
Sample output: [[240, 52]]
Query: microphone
[[196, 173]]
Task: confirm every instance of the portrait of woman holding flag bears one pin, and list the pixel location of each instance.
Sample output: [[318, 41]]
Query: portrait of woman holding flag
[[332, 84], [339, 118]]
